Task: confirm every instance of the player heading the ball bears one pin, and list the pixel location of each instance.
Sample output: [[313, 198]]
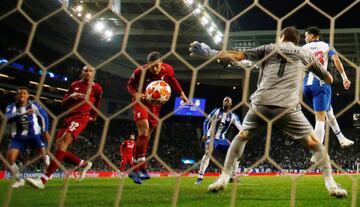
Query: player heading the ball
[[154, 70]]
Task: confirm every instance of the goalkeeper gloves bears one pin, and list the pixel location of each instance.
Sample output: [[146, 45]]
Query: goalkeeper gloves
[[202, 50]]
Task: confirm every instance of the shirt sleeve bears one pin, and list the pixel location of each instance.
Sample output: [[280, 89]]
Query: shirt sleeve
[[207, 122], [258, 52], [174, 83], [237, 122], [43, 116], [121, 148], [67, 94], [98, 97], [133, 82], [10, 115]]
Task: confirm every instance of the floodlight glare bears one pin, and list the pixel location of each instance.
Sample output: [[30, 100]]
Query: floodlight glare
[[79, 8], [108, 34], [189, 2], [99, 26], [204, 20]]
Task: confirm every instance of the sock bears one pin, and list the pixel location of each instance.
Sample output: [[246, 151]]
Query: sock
[[233, 174], [320, 130], [71, 158], [204, 164], [334, 125], [234, 153], [200, 176], [46, 159], [140, 151], [15, 171], [324, 165], [59, 155]]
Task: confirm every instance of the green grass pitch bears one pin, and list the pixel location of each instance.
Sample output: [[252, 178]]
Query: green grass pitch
[[261, 191]]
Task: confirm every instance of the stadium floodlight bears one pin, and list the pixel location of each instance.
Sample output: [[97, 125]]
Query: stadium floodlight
[[204, 20], [79, 14], [217, 38], [197, 11], [108, 34], [88, 16], [51, 75], [211, 29], [79, 8], [99, 26], [189, 2]]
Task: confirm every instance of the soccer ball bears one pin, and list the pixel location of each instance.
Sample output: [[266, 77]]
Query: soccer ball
[[158, 92]]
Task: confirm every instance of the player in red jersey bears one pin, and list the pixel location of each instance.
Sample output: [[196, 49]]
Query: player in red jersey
[[127, 149], [155, 69], [73, 124]]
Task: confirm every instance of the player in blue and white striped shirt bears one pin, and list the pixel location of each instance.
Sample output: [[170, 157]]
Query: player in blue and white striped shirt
[[29, 127], [216, 125], [319, 93]]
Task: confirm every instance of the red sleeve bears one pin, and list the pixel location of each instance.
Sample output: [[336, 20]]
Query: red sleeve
[[174, 83], [67, 94], [98, 97], [121, 148], [134, 81]]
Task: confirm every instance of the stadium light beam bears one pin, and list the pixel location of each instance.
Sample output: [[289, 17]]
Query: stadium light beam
[[99, 26], [79, 8]]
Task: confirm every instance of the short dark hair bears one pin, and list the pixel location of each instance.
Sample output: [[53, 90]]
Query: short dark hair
[[313, 30], [291, 34], [153, 56], [22, 88]]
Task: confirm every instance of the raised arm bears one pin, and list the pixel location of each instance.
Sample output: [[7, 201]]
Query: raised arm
[[339, 66]]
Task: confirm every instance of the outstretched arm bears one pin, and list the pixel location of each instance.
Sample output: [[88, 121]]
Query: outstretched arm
[[339, 66], [203, 50]]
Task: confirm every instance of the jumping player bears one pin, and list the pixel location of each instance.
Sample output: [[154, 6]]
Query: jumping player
[[319, 93], [29, 127], [155, 69], [277, 96], [127, 149], [73, 124], [217, 124]]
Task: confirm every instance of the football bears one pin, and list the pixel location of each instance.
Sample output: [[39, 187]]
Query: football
[[158, 92]]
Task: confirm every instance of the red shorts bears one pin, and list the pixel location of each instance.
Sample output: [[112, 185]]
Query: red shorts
[[127, 159], [73, 124], [141, 112]]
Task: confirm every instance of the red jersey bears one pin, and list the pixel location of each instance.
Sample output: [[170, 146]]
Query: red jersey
[[81, 87], [127, 147], [166, 74]]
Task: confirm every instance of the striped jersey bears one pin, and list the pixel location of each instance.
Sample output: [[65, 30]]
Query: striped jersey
[[27, 125], [322, 51], [220, 122]]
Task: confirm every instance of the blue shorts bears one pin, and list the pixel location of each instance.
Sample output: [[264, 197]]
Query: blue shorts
[[319, 96], [220, 144], [20, 143]]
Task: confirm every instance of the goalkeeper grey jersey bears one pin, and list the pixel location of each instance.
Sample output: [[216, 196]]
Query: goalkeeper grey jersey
[[280, 79]]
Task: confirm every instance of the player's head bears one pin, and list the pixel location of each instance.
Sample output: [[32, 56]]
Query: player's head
[[227, 102], [290, 34], [87, 73], [154, 61], [132, 136], [312, 34], [22, 95]]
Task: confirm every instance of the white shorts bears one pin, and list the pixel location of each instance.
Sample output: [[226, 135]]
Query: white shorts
[[293, 122]]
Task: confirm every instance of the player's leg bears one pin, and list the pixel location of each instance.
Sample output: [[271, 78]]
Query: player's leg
[[321, 104], [224, 145], [323, 162], [344, 142], [11, 155], [204, 163], [234, 153]]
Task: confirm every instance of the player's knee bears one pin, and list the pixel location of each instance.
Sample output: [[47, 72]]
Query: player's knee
[[312, 142], [320, 115], [243, 135]]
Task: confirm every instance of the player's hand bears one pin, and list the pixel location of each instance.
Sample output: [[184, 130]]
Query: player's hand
[[346, 84], [184, 98], [77, 95], [30, 111], [47, 137], [202, 50], [139, 96], [204, 138], [92, 119]]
